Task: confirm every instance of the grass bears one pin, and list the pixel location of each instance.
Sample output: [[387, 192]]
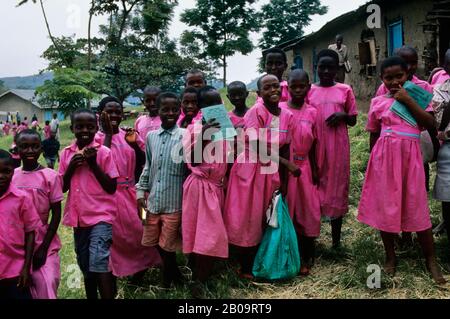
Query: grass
[[336, 274]]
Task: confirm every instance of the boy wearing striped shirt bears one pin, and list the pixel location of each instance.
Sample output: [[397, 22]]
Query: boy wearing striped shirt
[[162, 178]]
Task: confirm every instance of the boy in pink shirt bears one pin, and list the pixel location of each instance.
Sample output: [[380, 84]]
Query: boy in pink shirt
[[18, 223], [43, 185], [90, 175], [237, 94], [151, 122]]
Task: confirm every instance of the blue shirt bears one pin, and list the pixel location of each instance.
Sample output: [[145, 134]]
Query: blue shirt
[[164, 171]]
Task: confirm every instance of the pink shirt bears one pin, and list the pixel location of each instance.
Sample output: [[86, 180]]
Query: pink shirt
[[87, 203], [47, 131], [21, 128], [196, 118], [34, 123], [145, 124], [17, 217], [382, 90], [439, 78], [6, 128], [236, 120]]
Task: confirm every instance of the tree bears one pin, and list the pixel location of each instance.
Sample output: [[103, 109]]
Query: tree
[[285, 20], [69, 89], [220, 28]]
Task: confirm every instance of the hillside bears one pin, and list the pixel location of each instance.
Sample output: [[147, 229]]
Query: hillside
[[26, 82]]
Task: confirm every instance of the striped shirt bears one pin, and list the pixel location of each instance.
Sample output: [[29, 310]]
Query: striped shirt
[[164, 171]]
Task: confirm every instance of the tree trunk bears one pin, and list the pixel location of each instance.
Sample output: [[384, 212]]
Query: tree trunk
[[91, 13], [224, 62], [58, 49]]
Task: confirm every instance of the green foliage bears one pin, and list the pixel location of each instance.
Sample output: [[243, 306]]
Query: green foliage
[[284, 20], [219, 29], [70, 89]]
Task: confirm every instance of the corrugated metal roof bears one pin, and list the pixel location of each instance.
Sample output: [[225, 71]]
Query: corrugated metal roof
[[28, 95]]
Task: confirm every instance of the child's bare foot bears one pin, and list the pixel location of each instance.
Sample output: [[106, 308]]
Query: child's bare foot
[[389, 266], [436, 273], [304, 271]]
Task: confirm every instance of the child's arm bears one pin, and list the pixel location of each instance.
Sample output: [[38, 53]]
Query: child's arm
[[108, 184], [373, 140], [335, 119], [423, 118], [40, 256], [282, 169], [76, 161], [25, 274], [131, 138], [142, 186]]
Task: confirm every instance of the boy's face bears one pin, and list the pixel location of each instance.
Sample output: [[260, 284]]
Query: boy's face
[[270, 90], [84, 127], [115, 112], [169, 112], [412, 60], [393, 77], [190, 104], [298, 88], [275, 65], [29, 147], [238, 96], [327, 69], [195, 80], [6, 174], [150, 102]]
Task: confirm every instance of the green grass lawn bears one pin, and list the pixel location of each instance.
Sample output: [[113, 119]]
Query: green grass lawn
[[336, 274]]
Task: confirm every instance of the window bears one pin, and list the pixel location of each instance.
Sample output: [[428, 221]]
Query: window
[[395, 36]]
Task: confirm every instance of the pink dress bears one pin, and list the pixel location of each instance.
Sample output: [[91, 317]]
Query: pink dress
[[18, 216], [145, 124], [333, 147], [236, 120], [198, 117], [285, 96], [382, 90], [303, 196], [6, 128], [439, 78], [47, 131], [128, 256], [44, 187], [252, 183], [202, 225], [393, 198]]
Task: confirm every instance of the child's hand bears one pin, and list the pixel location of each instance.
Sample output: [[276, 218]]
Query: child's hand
[[76, 161], [24, 279], [141, 205], [90, 154], [402, 95], [39, 258], [130, 135], [293, 169], [106, 123], [283, 190], [211, 127], [335, 119]]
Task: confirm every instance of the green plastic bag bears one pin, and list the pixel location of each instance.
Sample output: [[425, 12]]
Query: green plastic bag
[[278, 256]]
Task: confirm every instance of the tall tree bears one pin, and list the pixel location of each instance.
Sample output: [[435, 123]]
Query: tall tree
[[285, 20], [220, 28]]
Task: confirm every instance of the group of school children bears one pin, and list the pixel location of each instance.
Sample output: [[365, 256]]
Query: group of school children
[[137, 196]]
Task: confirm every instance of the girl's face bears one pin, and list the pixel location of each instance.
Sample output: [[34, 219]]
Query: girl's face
[[394, 77], [298, 89], [84, 127], [412, 60], [195, 80], [327, 70], [115, 112], [190, 104], [6, 174], [275, 65], [169, 112], [150, 102], [29, 148], [237, 96], [270, 90]]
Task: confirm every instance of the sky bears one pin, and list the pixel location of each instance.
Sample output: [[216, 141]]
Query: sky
[[24, 34]]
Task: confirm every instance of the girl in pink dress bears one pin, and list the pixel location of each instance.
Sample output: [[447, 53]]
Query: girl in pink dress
[[128, 256], [256, 175], [237, 94], [203, 230], [440, 75], [47, 130], [393, 198], [190, 111], [336, 110], [44, 189], [151, 122], [303, 196], [275, 63]]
